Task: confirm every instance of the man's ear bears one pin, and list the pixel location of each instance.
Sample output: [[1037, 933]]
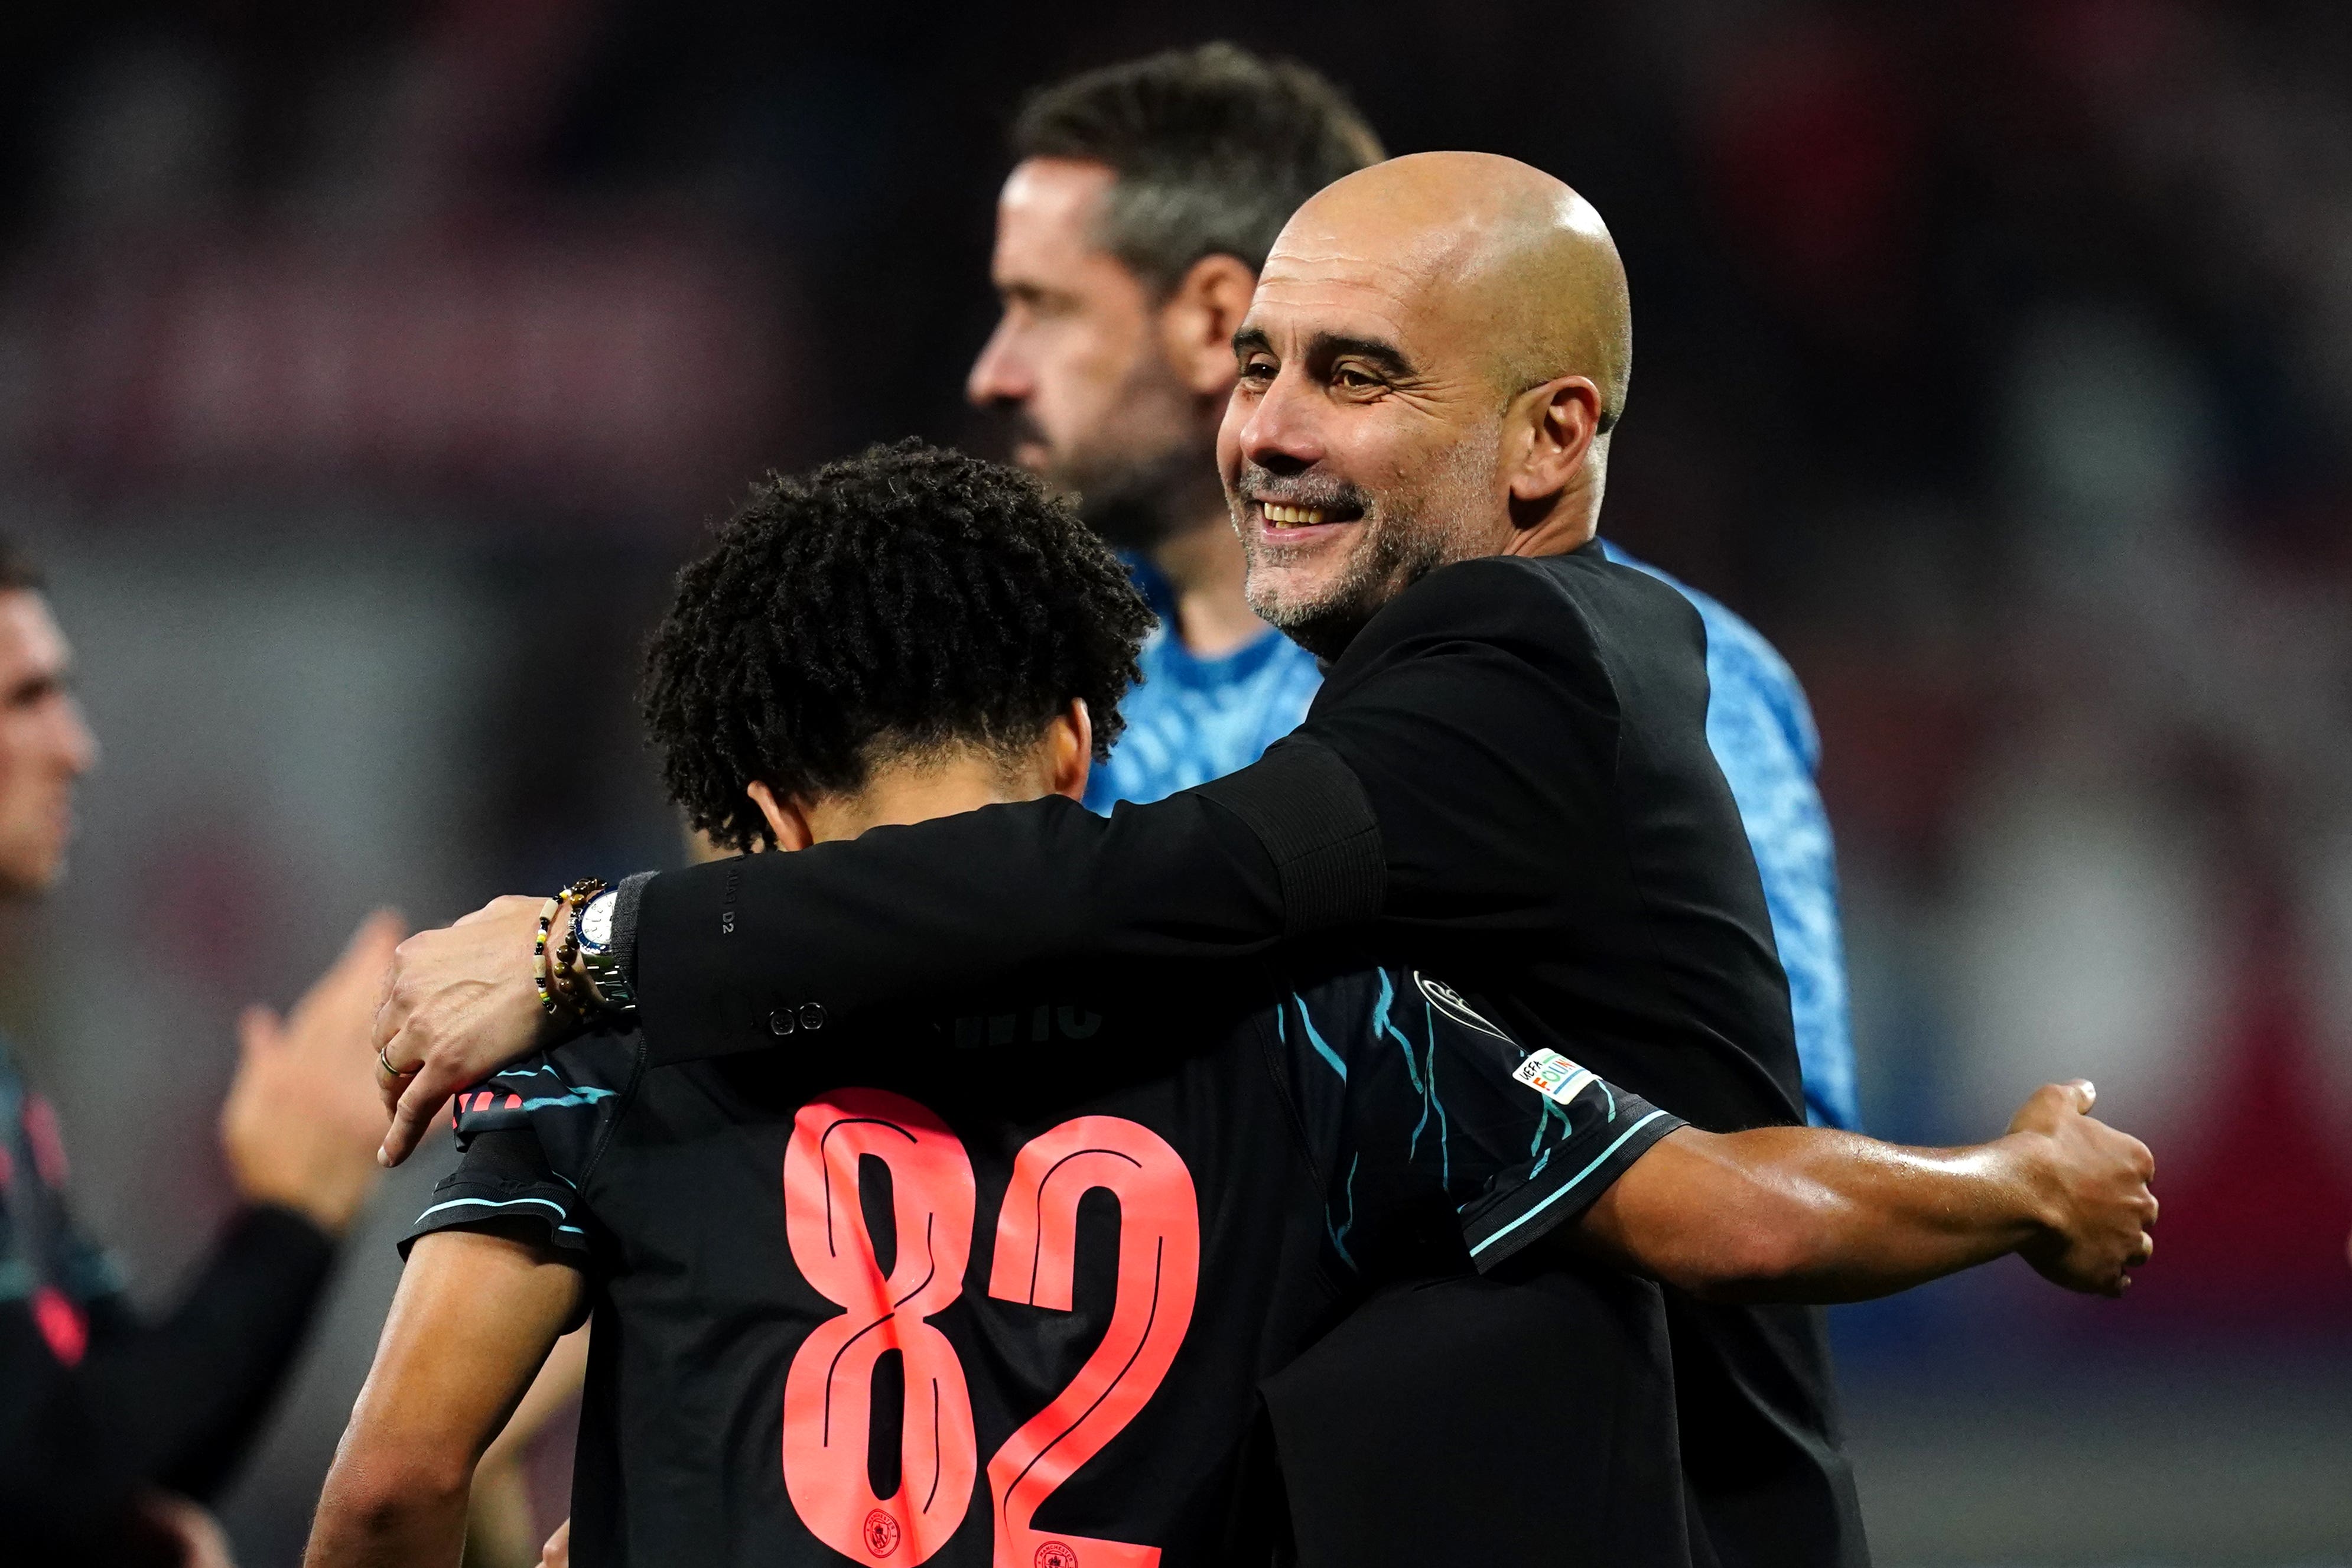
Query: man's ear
[[1552, 428], [1199, 317], [1070, 749], [787, 822]]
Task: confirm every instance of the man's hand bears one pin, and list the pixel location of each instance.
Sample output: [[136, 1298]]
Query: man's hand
[[193, 1535], [300, 1122], [1807, 1214], [2095, 1181], [556, 1552], [459, 1004]]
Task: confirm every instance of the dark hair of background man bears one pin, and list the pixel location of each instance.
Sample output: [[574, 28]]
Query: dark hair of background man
[[1214, 148], [16, 568], [895, 603]]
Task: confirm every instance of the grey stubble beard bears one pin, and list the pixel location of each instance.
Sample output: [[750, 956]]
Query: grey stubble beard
[[1408, 539]]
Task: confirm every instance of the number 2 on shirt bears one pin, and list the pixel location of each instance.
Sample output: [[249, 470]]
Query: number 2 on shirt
[[828, 1391]]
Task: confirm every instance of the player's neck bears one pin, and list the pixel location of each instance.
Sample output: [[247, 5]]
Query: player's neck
[[1204, 569], [913, 792]]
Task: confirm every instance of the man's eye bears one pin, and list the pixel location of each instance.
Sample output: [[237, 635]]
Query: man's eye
[[1257, 368], [1355, 380]]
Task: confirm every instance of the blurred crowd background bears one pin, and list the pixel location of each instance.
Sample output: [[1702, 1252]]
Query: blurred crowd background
[[365, 371]]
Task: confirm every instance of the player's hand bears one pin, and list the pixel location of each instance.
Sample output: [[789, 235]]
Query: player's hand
[[556, 1552], [459, 1004], [2094, 1181], [301, 1120]]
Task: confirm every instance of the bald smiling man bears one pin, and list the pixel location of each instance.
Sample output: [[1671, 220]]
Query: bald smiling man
[[1505, 781]]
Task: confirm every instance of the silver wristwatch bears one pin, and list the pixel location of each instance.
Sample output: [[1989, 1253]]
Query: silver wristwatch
[[597, 956]]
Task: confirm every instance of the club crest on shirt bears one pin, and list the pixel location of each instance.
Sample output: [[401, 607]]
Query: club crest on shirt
[[1553, 1075], [880, 1533], [1448, 1001]]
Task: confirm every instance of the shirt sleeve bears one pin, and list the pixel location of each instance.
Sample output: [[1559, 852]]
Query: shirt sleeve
[[97, 1402], [504, 1185], [189, 1391], [1522, 1142], [529, 1139], [1761, 731], [503, 1182], [174, 1403], [1590, 1133], [1443, 786]]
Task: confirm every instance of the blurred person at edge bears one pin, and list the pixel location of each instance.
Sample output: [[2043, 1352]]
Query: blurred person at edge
[[114, 1431], [1142, 202]]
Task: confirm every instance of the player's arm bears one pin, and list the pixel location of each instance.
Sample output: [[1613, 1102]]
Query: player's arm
[[1802, 1214], [475, 1317], [1444, 787]]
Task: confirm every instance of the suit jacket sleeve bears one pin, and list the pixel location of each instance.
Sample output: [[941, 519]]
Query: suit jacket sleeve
[[1462, 690], [184, 1398], [173, 1405]]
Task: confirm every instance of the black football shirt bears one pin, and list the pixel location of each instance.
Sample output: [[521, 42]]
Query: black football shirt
[[1003, 1292]]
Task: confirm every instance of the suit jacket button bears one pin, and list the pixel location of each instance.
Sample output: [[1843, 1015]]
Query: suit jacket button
[[780, 1022], [812, 1017]]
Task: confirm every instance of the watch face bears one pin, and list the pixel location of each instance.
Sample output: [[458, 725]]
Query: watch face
[[596, 920]]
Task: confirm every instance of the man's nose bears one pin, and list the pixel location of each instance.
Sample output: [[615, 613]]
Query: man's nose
[[75, 744], [997, 375], [1282, 431]]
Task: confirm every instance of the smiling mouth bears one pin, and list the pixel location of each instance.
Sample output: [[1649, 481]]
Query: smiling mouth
[[1280, 515]]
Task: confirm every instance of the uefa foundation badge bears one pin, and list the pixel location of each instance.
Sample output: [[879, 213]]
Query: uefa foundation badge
[[1553, 1075]]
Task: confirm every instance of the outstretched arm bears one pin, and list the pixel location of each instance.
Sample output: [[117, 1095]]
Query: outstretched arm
[[475, 1316], [1476, 686], [1803, 1213]]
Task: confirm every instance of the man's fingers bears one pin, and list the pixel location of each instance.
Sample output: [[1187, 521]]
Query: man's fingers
[[2086, 1094], [390, 1082], [2047, 1107], [389, 1017], [427, 1091]]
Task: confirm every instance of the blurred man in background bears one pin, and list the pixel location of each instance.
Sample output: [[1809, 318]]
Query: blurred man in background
[[1128, 238], [1141, 205], [108, 1426]]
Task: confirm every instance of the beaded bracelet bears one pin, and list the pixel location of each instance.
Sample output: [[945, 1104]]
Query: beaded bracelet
[[556, 995]]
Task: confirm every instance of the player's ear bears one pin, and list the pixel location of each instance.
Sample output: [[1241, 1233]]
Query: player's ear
[[1070, 749], [788, 825], [1199, 317]]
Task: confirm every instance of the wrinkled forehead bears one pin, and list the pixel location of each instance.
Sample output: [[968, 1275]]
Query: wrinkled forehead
[[1396, 287]]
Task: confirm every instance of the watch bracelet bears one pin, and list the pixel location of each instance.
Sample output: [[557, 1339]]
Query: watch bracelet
[[610, 992]]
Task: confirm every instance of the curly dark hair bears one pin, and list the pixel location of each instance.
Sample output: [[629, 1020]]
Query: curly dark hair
[[901, 600]]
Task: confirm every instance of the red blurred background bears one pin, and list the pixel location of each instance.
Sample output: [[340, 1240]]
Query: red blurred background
[[366, 370]]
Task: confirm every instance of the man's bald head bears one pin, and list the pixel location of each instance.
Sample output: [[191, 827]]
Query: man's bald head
[[1508, 252], [1437, 350]]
